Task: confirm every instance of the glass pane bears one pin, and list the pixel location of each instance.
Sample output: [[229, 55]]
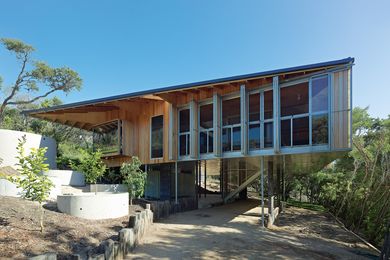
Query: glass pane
[[182, 145], [184, 119], [301, 131], [106, 138], [188, 144], [226, 139], [203, 142], [268, 105], [157, 136], [211, 141], [254, 136], [286, 132], [236, 138], [268, 134], [206, 116], [294, 100], [319, 94], [231, 111], [254, 107], [320, 129]]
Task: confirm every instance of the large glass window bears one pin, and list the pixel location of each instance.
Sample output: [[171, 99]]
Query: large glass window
[[254, 121], [157, 136], [294, 106], [231, 125], [206, 131], [184, 132], [268, 119], [107, 138], [319, 110]]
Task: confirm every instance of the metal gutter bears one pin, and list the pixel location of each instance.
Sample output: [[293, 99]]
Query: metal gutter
[[348, 60]]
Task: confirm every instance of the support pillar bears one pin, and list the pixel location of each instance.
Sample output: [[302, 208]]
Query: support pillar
[[205, 176], [262, 190], [176, 202], [270, 192]]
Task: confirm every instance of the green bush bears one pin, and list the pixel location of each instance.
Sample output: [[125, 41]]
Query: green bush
[[91, 165], [134, 178]]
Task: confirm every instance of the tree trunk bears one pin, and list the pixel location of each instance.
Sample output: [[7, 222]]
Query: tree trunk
[[41, 217]]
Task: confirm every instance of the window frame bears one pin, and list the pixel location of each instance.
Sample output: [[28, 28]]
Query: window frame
[[231, 151], [187, 134], [207, 131], [150, 136], [310, 114], [261, 90]]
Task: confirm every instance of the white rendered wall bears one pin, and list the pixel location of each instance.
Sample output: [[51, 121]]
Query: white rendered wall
[[95, 206], [9, 141], [68, 177], [8, 188]]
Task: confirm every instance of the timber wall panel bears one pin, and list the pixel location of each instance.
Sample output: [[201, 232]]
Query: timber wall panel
[[341, 110]]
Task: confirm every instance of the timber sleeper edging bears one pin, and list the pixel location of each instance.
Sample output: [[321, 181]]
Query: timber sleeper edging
[[109, 249]]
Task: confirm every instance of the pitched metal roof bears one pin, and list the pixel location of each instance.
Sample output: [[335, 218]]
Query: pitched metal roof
[[348, 60]]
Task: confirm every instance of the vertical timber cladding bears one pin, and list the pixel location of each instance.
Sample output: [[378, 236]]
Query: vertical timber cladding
[[172, 132], [143, 128], [217, 122], [341, 110]]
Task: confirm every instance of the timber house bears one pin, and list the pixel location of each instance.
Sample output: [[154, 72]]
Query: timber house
[[209, 140]]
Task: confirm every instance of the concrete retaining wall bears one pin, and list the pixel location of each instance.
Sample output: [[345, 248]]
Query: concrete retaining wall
[[67, 177], [102, 205], [108, 187], [8, 188], [9, 141]]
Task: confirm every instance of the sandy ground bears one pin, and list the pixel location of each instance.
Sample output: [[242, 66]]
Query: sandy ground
[[233, 232], [20, 236]]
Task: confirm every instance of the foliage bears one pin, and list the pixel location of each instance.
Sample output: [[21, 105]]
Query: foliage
[[356, 188], [91, 165], [34, 184], [134, 177], [34, 77], [306, 205]]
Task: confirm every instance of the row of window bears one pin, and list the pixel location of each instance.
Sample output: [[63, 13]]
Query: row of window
[[304, 120]]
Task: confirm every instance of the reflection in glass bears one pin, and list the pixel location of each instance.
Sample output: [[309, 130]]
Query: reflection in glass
[[319, 94], [301, 131], [268, 135], [320, 129], [157, 136], [254, 136], [286, 132], [294, 100]]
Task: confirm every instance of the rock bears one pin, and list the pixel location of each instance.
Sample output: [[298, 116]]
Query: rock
[[47, 256], [109, 252]]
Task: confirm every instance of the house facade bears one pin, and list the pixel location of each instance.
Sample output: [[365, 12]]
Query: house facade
[[216, 137]]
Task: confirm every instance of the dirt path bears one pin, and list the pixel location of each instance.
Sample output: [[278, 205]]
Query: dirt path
[[233, 231]]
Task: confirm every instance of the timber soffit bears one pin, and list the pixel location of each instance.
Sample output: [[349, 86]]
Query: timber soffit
[[269, 73]]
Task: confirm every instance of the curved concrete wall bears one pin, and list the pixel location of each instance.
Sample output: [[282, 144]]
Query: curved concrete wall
[[8, 188], [67, 177], [95, 206], [9, 141]]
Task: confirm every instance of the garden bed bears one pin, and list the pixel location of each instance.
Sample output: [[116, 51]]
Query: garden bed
[[64, 234]]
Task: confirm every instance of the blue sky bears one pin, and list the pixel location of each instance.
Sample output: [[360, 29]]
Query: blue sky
[[126, 46]]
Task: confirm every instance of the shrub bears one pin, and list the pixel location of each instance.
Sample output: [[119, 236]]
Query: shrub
[[34, 184], [134, 178], [91, 165]]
